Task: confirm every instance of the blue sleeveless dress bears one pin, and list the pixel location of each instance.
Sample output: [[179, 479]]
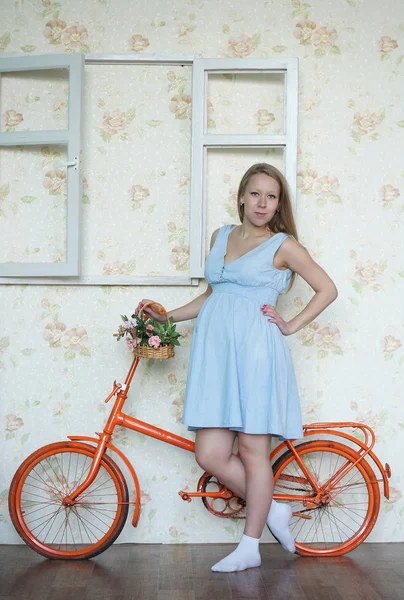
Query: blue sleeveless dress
[[240, 372]]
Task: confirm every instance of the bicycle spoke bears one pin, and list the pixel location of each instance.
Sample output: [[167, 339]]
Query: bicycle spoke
[[90, 523], [51, 520], [27, 513], [331, 517], [72, 534], [336, 515], [63, 480], [62, 530], [90, 490], [46, 484], [86, 528], [96, 516], [51, 466]]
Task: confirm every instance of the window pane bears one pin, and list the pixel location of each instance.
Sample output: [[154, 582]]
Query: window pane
[[33, 194], [136, 167], [245, 103], [34, 100], [224, 171]]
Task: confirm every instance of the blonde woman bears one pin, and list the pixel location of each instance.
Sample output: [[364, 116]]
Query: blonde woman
[[241, 380]]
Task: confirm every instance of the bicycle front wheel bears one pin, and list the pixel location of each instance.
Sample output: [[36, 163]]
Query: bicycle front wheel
[[338, 519], [82, 530]]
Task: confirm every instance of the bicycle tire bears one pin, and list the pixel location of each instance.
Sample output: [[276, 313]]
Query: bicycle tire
[[54, 484], [289, 478]]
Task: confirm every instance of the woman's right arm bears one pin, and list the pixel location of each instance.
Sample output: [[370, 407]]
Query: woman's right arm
[[189, 310]]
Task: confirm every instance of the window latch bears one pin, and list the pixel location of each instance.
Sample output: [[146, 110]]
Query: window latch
[[72, 163]]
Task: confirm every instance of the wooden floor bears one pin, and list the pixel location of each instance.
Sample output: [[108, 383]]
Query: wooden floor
[[182, 572]]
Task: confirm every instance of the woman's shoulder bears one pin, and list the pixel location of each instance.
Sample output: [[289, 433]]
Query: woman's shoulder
[[223, 228], [214, 235], [293, 239]]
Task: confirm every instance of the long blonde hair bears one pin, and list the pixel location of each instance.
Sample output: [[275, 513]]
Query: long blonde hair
[[282, 221]]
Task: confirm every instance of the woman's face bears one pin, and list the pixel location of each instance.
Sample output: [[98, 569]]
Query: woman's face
[[261, 199]]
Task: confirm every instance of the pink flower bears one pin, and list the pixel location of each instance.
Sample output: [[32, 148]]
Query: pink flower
[[390, 344], [327, 338], [367, 273], [137, 194], [325, 37], [139, 43], [264, 117], [303, 32], [395, 495], [366, 123], [55, 181], [388, 193], [184, 181], [241, 46], [154, 341], [305, 180], [149, 327], [184, 30], [132, 343], [387, 44], [13, 118], [326, 185], [13, 423], [53, 31], [53, 333], [75, 339], [181, 105], [114, 121], [116, 268], [180, 256], [144, 498], [75, 37], [58, 410]]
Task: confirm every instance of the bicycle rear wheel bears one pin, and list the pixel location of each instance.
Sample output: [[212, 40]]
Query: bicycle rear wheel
[[340, 518], [82, 530]]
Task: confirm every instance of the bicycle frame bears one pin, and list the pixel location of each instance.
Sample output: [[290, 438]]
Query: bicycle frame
[[117, 417]]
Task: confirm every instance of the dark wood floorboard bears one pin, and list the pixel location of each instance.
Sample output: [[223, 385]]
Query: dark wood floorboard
[[182, 572]]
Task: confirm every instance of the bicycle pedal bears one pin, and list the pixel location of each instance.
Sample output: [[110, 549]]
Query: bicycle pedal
[[185, 496]]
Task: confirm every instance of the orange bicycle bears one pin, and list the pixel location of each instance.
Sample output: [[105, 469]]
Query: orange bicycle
[[70, 500]]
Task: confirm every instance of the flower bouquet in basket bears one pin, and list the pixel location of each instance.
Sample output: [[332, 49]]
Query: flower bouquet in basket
[[148, 338]]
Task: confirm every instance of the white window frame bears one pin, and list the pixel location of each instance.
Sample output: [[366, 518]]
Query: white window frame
[[200, 142], [71, 138]]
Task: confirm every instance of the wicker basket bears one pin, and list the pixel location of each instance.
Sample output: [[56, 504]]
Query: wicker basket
[[161, 353]]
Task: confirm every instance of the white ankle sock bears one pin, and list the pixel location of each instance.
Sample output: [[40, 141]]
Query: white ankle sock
[[278, 524], [246, 555]]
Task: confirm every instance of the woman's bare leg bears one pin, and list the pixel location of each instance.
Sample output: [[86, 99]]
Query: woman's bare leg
[[214, 447], [259, 480], [214, 453]]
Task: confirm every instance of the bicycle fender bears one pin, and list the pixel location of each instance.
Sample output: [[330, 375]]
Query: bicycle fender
[[136, 512], [284, 446]]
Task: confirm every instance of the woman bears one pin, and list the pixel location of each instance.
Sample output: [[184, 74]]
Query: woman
[[241, 379]]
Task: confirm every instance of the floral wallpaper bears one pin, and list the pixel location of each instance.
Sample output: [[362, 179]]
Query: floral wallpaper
[[58, 357]]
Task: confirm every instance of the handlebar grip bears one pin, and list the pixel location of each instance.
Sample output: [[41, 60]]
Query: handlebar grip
[[156, 306]]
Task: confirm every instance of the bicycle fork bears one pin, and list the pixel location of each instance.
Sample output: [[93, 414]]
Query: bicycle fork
[[104, 439]]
